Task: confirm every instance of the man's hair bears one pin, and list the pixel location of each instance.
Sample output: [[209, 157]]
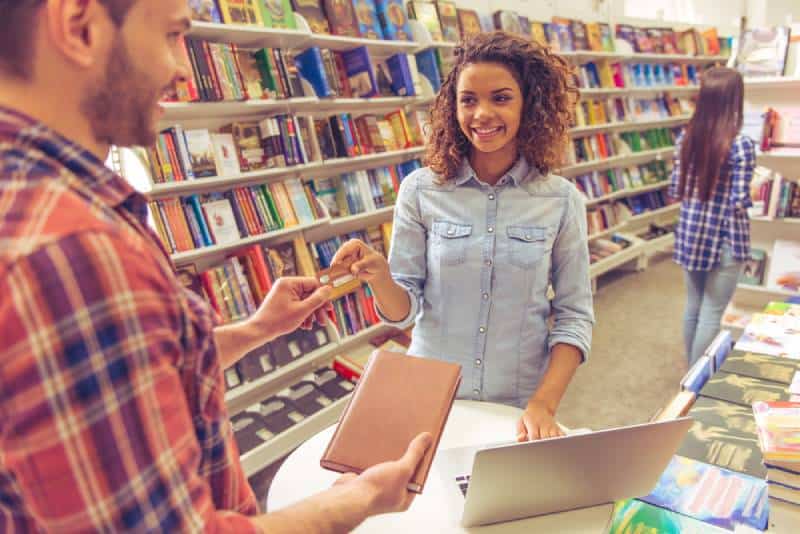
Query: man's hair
[[17, 30]]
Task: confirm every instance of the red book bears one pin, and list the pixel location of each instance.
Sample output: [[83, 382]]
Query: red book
[[187, 89]]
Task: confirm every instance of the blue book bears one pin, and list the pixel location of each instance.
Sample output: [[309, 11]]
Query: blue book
[[712, 494], [360, 74], [369, 23], [194, 202], [697, 375], [349, 137], [402, 82], [309, 64], [393, 19], [194, 228], [427, 66]]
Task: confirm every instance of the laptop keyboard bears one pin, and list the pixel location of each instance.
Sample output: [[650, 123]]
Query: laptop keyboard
[[463, 483]]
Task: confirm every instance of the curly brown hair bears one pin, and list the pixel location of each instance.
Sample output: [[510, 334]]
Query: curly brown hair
[[546, 83]]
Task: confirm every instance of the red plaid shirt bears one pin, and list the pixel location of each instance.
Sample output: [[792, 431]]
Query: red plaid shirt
[[112, 413]]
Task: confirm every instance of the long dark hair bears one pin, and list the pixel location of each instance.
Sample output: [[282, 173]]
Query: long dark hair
[[716, 121], [547, 89]]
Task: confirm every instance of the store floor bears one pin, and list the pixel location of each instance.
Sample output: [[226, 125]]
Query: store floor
[[637, 357]]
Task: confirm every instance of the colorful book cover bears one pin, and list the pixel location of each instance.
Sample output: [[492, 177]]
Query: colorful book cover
[[711, 494], [762, 51], [778, 426], [205, 11], [241, 12], [723, 434], [469, 23], [593, 36], [225, 158], [201, 152], [393, 19], [428, 67], [782, 308], [342, 17], [607, 37], [507, 21], [312, 11], [448, 18], [426, 14], [277, 14], [538, 34], [784, 266], [563, 33], [636, 517], [221, 221], [778, 335], [753, 270], [309, 64], [369, 24], [360, 73]]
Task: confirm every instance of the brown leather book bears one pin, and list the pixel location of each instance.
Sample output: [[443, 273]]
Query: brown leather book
[[397, 398]]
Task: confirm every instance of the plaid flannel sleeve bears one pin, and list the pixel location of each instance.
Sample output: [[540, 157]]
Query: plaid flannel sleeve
[[97, 433], [743, 166]]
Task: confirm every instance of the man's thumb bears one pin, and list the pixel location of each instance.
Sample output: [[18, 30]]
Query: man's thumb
[[320, 296]]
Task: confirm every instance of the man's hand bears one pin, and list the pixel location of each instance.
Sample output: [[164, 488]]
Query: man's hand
[[385, 485], [367, 264], [291, 303], [537, 422]]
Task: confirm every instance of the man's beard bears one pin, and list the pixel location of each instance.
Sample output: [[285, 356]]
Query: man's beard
[[120, 107]]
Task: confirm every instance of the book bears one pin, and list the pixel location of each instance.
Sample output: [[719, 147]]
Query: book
[[507, 21], [633, 516], [723, 434], [201, 152], [241, 12], [761, 366], [448, 19], [422, 389], [426, 14], [342, 17], [698, 374], [469, 23], [743, 390], [677, 407], [538, 34], [753, 269], [277, 14], [311, 67], [428, 67], [393, 19], [226, 158], [221, 222], [778, 335], [711, 494], [369, 24], [205, 11], [784, 266], [762, 51], [360, 73], [778, 427], [312, 11]]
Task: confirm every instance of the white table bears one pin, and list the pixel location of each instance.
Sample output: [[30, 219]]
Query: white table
[[470, 423]]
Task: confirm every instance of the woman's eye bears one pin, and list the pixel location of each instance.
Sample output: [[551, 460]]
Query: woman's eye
[[502, 98], [467, 101]]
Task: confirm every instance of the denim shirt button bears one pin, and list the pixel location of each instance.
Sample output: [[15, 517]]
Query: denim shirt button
[[491, 197], [477, 362], [482, 330], [491, 229]]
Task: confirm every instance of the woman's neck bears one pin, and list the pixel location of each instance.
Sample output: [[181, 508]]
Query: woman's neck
[[490, 167]]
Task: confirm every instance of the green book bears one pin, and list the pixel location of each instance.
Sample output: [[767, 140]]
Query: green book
[[761, 366], [633, 517], [724, 434], [277, 14], [743, 390]]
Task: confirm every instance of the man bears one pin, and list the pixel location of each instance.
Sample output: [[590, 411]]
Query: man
[[112, 414]]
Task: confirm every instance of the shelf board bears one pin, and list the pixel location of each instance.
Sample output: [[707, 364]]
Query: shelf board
[[361, 218], [282, 444], [627, 193], [629, 125], [174, 111], [652, 214], [650, 247], [620, 91], [786, 155], [589, 55], [190, 256], [771, 293], [592, 55], [615, 161], [359, 104], [249, 36], [377, 47], [615, 260], [776, 221], [331, 167]]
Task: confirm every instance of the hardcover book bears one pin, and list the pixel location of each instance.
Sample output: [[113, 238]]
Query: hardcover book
[[201, 152], [743, 390], [342, 17], [393, 19], [277, 14], [448, 18], [507, 21], [369, 24], [205, 11], [426, 14], [724, 434], [469, 23], [241, 12], [761, 366], [312, 11], [226, 157], [221, 222], [753, 270], [422, 389], [762, 51]]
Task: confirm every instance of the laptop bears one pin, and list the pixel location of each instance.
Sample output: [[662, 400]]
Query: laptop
[[490, 484]]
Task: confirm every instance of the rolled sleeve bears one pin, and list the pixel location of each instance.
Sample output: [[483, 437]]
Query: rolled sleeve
[[572, 308], [408, 250]]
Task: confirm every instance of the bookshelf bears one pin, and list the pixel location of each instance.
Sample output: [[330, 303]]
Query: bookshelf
[[634, 158], [626, 193], [623, 126]]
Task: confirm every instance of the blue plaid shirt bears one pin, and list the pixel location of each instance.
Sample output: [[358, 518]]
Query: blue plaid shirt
[[703, 227]]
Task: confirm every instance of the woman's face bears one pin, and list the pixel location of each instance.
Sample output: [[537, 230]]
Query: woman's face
[[489, 106]]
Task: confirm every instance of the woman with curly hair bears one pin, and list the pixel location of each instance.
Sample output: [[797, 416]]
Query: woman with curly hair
[[484, 230]]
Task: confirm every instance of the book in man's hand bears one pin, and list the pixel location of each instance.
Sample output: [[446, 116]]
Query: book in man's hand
[[397, 398]]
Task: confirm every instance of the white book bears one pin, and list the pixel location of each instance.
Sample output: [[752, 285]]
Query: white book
[[225, 155], [362, 178], [221, 221], [297, 196], [784, 265]]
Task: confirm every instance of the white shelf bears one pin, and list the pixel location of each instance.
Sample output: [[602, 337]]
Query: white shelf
[[629, 125], [582, 56], [779, 156], [615, 260], [627, 193], [652, 214], [589, 55], [768, 292], [282, 444], [249, 36], [789, 221], [362, 218], [377, 47], [616, 161], [359, 105], [771, 83], [190, 256], [626, 91], [658, 244], [332, 167]]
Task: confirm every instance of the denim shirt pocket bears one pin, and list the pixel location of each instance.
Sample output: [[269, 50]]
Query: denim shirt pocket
[[526, 245], [450, 241]]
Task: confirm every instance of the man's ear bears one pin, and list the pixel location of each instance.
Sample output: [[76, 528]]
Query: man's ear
[[79, 30]]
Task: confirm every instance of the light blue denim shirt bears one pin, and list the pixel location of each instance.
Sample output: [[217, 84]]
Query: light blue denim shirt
[[477, 261]]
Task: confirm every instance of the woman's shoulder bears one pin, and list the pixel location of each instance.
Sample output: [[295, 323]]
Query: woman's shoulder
[[422, 178]]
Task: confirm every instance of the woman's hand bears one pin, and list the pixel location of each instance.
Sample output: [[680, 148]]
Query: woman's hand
[[366, 264], [537, 422]]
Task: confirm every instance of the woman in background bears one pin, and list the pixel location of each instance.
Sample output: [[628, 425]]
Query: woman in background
[[713, 168], [482, 232]]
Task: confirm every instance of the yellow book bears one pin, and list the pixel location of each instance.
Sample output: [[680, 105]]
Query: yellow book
[[594, 36], [305, 263], [241, 12], [400, 128], [600, 111], [580, 114], [606, 76], [592, 109], [386, 230]]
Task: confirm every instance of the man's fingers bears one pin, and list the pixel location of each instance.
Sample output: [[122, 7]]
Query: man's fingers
[[350, 251], [416, 450]]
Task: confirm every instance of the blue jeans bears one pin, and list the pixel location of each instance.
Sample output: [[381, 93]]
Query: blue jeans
[[707, 296]]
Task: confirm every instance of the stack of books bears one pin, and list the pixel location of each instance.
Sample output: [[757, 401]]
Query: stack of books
[[778, 426]]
